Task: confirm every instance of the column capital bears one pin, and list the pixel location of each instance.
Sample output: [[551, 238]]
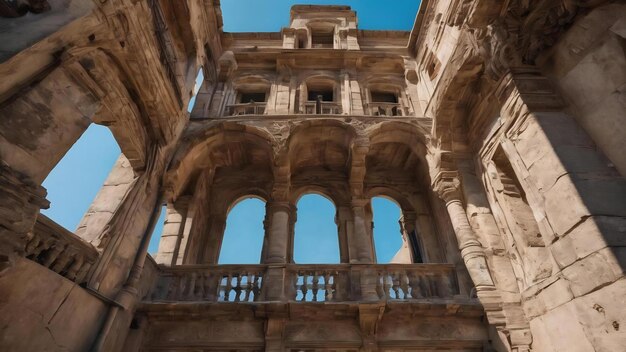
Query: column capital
[[447, 184], [283, 205]]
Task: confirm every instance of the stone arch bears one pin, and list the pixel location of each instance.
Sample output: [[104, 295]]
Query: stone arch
[[325, 144], [188, 159], [241, 245], [321, 82]]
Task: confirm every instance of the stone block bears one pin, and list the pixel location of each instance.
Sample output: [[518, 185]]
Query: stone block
[[598, 269], [559, 330], [571, 200], [593, 234], [601, 315]]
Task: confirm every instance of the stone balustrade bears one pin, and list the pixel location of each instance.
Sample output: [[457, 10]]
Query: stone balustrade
[[322, 108], [305, 283], [385, 109], [216, 283], [246, 109], [58, 249]]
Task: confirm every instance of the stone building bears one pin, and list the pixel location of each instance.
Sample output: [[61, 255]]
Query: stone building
[[497, 126]]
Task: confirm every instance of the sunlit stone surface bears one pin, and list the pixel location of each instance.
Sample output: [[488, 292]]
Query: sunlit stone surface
[[497, 127]]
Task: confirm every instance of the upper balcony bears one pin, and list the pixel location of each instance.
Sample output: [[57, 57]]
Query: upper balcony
[[305, 283]]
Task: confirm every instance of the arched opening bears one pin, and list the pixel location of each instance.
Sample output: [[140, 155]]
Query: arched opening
[[316, 240], [243, 237], [157, 232], [196, 88], [385, 99], [320, 95], [389, 242], [76, 180]]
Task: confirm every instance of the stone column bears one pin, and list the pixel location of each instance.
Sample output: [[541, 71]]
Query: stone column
[[447, 185], [279, 214], [176, 214], [275, 281], [361, 234], [362, 239]]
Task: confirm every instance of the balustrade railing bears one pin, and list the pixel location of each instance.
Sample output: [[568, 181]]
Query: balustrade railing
[[397, 281], [385, 109], [322, 108], [216, 283], [306, 283], [317, 283], [61, 251], [246, 109]]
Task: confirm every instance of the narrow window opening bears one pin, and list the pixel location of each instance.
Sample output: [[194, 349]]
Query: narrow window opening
[[252, 97], [157, 233], [316, 240], [196, 88], [518, 209], [322, 38], [384, 97], [76, 180], [323, 95], [244, 233], [390, 243]]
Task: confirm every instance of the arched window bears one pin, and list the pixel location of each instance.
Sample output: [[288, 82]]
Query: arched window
[[388, 241], [391, 241], [316, 240], [320, 95], [76, 180], [244, 233], [157, 232], [196, 88]]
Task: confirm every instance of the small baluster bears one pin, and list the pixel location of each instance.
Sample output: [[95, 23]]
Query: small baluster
[[32, 244], [72, 271], [396, 284], [404, 285], [414, 283], [256, 286], [248, 291], [305, 286], [191, 288], [52, 255], [228, 287], [315, 285], [238, 288], [432, 280], [380, 286], [328, 287], [63, 260], [387, 284], [200, 287]]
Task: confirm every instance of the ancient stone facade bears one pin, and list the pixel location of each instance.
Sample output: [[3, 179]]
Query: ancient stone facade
[[498, 127]]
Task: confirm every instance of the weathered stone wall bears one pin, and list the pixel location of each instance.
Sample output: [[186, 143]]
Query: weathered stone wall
[[589, 67], [43, 311]]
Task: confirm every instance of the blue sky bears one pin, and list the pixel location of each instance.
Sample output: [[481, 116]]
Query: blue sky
[[75, 181], [271, 16]]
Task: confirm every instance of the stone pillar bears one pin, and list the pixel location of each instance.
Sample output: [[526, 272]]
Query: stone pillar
[[279, 229], [447, 185], [279, 240], [176, 215], [361, 234], [362, 239]]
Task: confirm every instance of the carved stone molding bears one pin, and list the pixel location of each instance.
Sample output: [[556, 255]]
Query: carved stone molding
[[20, 202]]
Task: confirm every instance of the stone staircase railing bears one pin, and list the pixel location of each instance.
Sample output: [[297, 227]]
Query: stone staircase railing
[[59, 250], [306, 283]]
